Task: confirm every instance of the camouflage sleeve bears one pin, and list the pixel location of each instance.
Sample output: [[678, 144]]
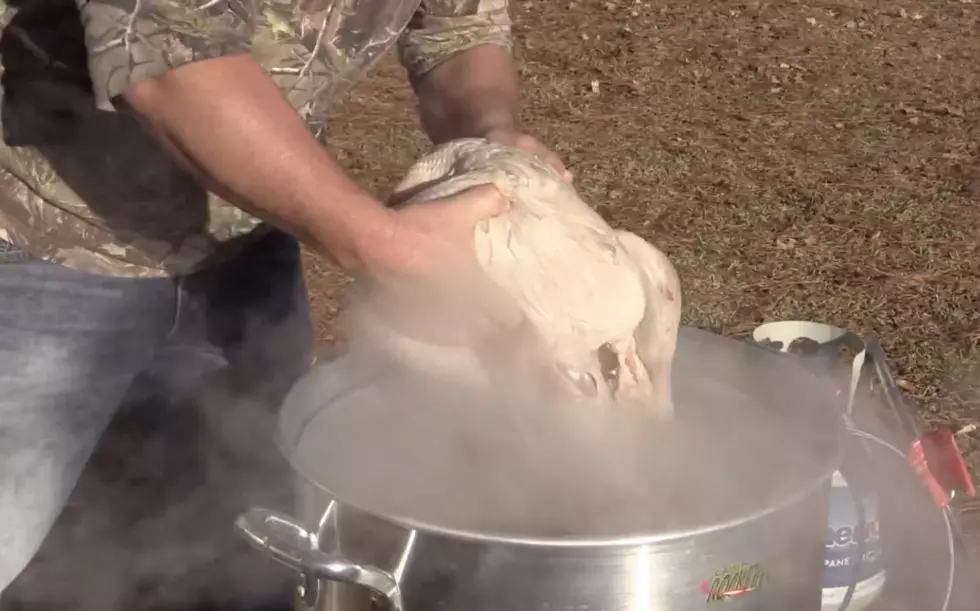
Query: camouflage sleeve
[[132, 40], [442, 28]]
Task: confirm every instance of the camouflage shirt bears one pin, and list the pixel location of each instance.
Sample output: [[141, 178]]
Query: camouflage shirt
[[83, 185]]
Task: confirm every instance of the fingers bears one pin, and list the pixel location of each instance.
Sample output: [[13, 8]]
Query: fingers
[[533, 146], [479, 203], [555, 161], [552, 159]]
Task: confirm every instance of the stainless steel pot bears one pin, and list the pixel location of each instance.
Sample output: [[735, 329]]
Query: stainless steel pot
[[764, 552]]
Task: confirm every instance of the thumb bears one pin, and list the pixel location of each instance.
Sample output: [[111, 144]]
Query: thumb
[[480, 203]]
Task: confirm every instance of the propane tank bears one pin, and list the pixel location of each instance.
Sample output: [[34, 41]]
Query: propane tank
[[842, 565]]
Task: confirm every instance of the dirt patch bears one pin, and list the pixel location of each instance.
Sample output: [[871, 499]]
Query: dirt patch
[[815, 160]]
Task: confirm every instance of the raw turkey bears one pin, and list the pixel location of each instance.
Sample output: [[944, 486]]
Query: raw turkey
[[603, 305]]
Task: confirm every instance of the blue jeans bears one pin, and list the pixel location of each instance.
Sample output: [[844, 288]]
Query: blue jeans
[[74, 345]]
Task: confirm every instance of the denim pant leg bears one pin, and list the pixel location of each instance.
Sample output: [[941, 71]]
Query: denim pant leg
[[248, 316], [242, 338], [71, 344]]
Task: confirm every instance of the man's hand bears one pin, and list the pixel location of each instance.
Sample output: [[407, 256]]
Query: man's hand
[[426, 237], [531, 145], [426, 257]]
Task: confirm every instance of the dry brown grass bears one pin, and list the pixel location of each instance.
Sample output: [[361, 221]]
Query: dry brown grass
[[815, 160]]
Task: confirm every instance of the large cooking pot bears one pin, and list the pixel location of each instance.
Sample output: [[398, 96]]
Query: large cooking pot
[[737, 515]]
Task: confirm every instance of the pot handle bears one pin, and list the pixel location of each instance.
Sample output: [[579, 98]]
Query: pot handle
[[278, 535]]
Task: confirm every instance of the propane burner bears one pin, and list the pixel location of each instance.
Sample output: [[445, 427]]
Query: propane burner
[[893, 534]]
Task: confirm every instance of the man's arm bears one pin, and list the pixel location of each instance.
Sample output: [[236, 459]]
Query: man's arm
[[197, 89], [458, 57], [229, 122], [458, 54], [472, 94]]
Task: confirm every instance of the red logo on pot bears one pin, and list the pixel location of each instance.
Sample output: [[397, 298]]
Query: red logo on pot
[[733, 581]]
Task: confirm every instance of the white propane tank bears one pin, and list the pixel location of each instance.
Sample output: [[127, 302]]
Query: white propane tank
[[841, 567]]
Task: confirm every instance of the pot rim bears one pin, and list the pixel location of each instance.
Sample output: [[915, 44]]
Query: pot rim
[[586, 542]]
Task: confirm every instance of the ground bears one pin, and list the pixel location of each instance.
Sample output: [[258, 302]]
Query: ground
[[816, 161]]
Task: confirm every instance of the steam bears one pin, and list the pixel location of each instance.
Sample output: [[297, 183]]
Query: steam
[[149, 525], [514, 457], [489, 445], [457, 436]]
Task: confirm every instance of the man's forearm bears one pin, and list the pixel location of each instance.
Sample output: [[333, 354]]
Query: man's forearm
[[470, 94], [228, 121]]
